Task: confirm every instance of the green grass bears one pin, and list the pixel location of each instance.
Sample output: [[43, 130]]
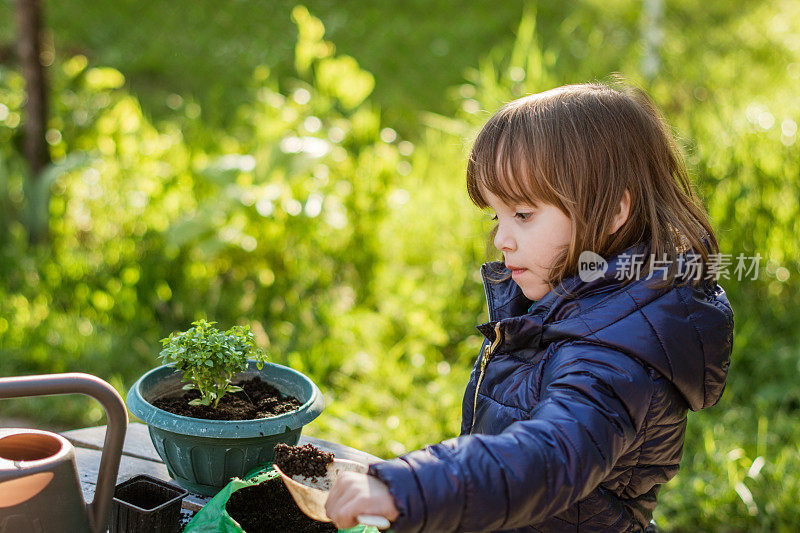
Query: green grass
[[206, 50]]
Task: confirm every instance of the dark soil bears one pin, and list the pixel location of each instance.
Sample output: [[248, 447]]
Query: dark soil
[[268, 507], [306, 460], [257, 400], [184, 518]]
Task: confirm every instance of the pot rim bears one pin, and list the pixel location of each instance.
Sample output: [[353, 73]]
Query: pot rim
[[254, 427]]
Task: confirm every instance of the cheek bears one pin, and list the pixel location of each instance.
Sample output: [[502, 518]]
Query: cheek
[[559, 237], [562, 233]]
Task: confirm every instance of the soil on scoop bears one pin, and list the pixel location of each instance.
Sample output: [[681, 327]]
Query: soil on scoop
[[268, 507], [306, 460], [257, 400]]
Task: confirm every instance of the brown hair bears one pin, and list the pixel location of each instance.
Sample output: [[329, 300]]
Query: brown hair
[[579, 147]]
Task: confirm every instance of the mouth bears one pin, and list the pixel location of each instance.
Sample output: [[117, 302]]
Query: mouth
[[515, 271]]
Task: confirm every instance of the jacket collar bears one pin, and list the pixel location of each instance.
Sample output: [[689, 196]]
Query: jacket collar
[[506, 302], [684, 332]]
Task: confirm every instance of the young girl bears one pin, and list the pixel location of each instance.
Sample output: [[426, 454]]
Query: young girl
[[575, 412]]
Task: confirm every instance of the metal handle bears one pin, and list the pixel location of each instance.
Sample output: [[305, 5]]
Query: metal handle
[[117, 419]]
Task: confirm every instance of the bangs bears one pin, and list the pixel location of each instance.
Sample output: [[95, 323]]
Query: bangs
[[510, 159]]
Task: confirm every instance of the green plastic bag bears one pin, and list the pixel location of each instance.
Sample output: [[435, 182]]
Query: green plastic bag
[[213, 518]]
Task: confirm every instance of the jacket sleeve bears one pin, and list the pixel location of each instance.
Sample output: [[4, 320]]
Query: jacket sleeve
[[593, 401]]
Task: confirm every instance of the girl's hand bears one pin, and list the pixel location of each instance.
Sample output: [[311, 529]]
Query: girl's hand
[[353, 494]]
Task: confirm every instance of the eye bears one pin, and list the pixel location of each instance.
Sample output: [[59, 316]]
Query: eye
[[523, 215]]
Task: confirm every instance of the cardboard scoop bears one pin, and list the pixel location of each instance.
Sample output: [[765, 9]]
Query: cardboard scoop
[[310, 494]]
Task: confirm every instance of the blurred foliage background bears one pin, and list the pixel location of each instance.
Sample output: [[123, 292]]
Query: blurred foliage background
[[302, 171]]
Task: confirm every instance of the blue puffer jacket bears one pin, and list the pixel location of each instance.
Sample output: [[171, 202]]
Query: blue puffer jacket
[[580, 410]]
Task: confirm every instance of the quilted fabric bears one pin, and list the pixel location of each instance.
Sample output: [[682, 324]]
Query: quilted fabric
[[580, 414]]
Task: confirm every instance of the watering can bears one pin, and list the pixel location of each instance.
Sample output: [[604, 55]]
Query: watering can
[[39, 487]]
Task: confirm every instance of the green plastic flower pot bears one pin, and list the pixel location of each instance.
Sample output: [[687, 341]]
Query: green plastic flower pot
[[203, 455]]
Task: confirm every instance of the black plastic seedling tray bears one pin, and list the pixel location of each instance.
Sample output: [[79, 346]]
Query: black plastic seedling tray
[[144, 503]]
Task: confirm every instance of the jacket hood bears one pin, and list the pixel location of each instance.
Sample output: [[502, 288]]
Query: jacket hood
[[683, 332]]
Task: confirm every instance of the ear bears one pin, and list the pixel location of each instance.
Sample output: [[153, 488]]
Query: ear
[[622, 212]]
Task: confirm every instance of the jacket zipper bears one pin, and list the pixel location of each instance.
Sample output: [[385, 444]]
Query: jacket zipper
[[485, 355]]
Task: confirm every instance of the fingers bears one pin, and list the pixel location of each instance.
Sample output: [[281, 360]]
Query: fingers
[[356, 494], [346, 516], [341, 490], [339, 506]]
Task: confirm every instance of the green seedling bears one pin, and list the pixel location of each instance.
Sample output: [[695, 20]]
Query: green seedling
[[210, 358]]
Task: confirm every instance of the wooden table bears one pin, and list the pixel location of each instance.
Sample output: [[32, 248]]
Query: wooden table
[[140, 457]]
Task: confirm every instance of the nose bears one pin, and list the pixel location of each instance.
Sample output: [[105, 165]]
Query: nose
[[503, 240]]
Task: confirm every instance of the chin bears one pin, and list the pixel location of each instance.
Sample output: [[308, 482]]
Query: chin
[[535, 294], [533, 291]]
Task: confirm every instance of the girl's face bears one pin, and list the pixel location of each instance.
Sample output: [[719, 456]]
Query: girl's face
[[530, 237]]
